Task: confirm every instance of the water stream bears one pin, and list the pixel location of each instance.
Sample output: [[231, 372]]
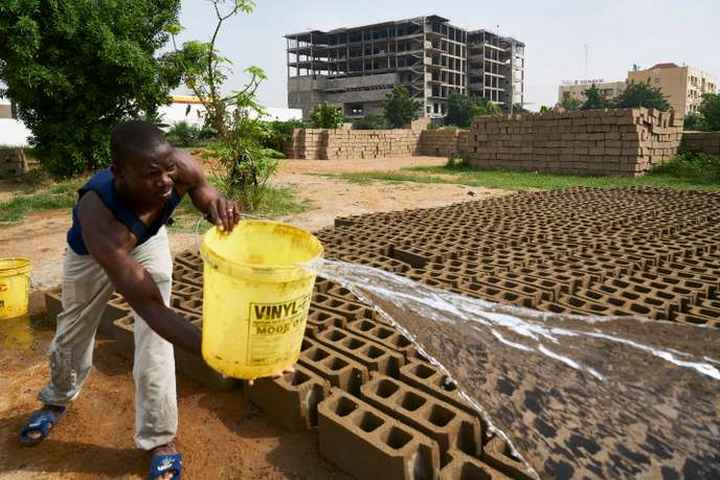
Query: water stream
[[578, 397]]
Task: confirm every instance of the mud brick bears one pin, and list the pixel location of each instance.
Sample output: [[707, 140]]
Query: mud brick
[[116, 308], [663, 303], [427, 378], [383, 334], [626, 302], [697, 317], [703, 288], [124, 336], [494, 281], [415, 257], [498, 295], [459, 466], [194, 305], [345, 308], [552, 307], [682, 294], [568, 279], [592, 307], [342, 292], [498, 454], [449, 426], [711, 279], [364, 442], [291, 400], [375, 356], [341, 371], [53, 304], [321, 319], [189, 259], [549, 289], [187, 291]]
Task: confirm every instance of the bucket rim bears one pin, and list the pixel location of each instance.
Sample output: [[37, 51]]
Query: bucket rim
[[24, 266], [207, 254]]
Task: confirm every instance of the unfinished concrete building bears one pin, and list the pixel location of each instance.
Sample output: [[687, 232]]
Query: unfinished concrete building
[[356, 68]]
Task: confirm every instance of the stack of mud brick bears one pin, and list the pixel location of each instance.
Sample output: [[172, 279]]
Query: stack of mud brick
[[12, 161], [445, 142], [347, 144], [625, 142], [701, 142]]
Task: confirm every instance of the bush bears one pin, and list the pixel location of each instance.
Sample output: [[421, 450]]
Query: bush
[[463, 108], [701, 167], [183, 134], [325, 115], [710, 111], [400, 108], [372, 121], [694, 121], [280, 133]]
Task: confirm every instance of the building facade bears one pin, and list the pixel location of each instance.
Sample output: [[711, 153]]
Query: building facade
[[357, 67], [683, 86], [575, 89]]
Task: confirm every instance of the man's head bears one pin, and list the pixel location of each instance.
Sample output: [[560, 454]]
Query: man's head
[[142, 162]]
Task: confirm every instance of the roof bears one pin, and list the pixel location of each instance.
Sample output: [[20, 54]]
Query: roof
[[664, 65], [430, 18]]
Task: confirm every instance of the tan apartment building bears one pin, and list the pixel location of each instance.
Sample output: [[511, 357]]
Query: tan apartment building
[[683, 86], [576, 89]]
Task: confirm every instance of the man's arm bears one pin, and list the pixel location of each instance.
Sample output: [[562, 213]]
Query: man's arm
[[109, 243], [219, 210]]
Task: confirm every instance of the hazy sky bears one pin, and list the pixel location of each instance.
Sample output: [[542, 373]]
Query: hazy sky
[[618, 33]]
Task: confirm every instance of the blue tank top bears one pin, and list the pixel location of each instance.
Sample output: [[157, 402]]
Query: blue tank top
[[102, 184]]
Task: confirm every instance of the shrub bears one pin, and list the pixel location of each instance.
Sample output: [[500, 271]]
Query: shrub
[[280, 133], [372, 121], [710, 111], [463, 108], [400, 108], [183, 134], [325, 115]]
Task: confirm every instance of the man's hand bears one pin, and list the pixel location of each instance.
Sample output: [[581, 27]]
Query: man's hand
[[224, 213]]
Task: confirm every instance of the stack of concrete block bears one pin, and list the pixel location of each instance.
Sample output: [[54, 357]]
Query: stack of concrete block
[[364, 144], [442, 142], [701, 142], [626, 142]]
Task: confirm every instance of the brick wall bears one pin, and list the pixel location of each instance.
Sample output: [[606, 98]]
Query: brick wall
[[597, 142], [707, 142]]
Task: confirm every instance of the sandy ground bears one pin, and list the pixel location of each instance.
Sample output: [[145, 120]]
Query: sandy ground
[[221, 435]]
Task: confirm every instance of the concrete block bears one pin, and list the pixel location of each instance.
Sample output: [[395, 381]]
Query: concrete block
[[459, 466], [341, 371], [368, 444], [375, 356]]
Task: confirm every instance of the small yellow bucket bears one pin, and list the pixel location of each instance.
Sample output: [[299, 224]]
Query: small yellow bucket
[[14, 287], [256, 297]]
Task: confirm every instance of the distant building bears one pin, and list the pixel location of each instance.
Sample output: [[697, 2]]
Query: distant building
[[188, 108], [356, 67], [683, 86], [576, 89]]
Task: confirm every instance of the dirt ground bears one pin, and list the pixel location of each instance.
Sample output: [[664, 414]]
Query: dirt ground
[[221, 435]]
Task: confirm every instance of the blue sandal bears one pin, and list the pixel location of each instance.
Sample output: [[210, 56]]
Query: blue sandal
[[41, 422], [160, 465]]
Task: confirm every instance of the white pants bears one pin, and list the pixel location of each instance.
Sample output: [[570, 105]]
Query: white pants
[[86, 290]]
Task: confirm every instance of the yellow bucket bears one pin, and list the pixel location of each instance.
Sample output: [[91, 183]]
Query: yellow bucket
[[14, 287], [256, 297]]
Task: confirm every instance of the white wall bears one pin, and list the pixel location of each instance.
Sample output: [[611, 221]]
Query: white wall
[[13, 132]]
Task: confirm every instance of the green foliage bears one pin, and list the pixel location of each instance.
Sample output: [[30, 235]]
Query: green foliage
[[571, 104], [545, 109], [280, 133], [326, 115], [700, 167], [59, 195], [76, 68], [372, 121], [204, 70], [710, 110], [183, 134], [246, 164], [463, 108], [594, 100], [642, 94], [694, 121], [400, 108]]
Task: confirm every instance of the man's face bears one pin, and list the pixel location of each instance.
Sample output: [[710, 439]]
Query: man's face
[[150, 178]]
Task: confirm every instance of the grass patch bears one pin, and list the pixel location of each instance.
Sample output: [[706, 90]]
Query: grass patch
[[16, 209], [686, 171]]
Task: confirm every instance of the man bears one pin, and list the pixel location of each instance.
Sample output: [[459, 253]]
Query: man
[[118, 241]]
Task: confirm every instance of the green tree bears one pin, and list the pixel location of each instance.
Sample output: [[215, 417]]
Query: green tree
[[594, 99], [571, 104], [325, 115], [76, 68], [710, 111], [463, 108], [642, 94], [371, 121], [694, 121], [400, 108], [205, 70]]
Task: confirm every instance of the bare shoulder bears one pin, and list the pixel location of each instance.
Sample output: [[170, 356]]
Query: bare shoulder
[[100, 229], [190, 174]]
